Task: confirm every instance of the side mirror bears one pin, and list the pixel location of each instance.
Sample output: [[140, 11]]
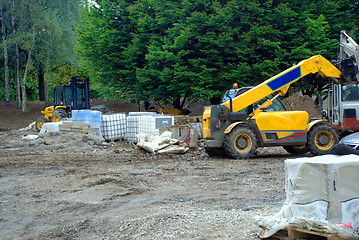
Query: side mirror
[[324, 114]]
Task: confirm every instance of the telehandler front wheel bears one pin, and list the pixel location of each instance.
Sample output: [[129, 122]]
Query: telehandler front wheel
[[321, 139], [58, 115], [40, 122], [240, 143]]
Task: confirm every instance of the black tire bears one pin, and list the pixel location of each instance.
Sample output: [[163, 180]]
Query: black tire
[[296, 150], [40, 122], [215, 152], [321, 139], [58, 115], [240, 143], [341, 149]]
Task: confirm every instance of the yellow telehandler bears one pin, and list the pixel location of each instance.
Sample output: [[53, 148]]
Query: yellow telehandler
[[238, 132]]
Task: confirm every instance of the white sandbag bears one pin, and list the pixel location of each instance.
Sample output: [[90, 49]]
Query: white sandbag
[[29, 127], [50, 127], [161, 144], [30, 137], [322, 189]]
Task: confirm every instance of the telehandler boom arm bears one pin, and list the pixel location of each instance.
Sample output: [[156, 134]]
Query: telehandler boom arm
[[281, 82]]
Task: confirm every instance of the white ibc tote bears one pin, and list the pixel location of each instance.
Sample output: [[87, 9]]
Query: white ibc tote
[[114, 126], [149, 123]]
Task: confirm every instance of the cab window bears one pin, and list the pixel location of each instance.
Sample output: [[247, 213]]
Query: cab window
[[58, 96], [80, 97], [350, 92], [67, 96]]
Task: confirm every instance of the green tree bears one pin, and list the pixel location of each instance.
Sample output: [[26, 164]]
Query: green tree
[[43, 35], [174, 50], [6, 58]]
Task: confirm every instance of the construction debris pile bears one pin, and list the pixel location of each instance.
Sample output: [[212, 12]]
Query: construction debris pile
[[100, 127]]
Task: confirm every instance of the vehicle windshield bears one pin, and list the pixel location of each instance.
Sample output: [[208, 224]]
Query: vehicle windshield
[[277, 105], [80, 97], [234, 92], [350, 92], [62, 96], [68, 96]]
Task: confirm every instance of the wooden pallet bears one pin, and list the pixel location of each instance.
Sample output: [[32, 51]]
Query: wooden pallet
[[292, 233]]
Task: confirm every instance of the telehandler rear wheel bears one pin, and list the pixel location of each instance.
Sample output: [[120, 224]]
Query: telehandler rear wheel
[[58, 115], [240, 143], [296, 150], [321, 139], [40, 122]]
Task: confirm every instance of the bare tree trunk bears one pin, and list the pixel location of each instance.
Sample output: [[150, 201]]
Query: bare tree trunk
[[47, 81], [184, 100], [6, 58], [177, 103], [17, 61], [41, 78], [23, 91], [23, 83], [17, 75]]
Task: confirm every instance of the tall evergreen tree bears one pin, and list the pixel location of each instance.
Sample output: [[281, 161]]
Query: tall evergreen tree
[[171, 50]]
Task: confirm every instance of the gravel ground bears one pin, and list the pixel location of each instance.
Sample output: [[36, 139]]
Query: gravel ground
[[67, 187]]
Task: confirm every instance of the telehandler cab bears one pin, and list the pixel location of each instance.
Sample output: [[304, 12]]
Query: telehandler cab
[[74, 96], [228, 127]]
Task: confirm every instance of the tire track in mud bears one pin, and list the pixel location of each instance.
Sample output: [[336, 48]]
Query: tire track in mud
[[108, 191]]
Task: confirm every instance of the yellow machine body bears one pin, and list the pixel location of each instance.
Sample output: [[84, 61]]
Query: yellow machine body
[[206, 122], [288, 120], [282, 81], [281, 126], [272, 128], [50, 110]]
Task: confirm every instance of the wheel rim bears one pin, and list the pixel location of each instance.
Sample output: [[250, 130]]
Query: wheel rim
[[324, 140], [55, 118], [40, 124], [243, 142]]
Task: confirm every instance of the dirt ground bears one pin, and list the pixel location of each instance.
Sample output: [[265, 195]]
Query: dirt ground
[[65, 186]]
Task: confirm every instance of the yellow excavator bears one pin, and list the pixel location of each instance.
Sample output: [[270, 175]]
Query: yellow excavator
[[238, 131]]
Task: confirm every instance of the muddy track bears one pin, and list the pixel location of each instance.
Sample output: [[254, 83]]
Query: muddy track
[[115, 191]]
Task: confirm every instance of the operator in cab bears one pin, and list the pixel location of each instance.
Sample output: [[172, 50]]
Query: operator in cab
[[230, 93]]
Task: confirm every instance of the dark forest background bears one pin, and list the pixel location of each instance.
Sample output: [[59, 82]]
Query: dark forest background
[[164, 51]]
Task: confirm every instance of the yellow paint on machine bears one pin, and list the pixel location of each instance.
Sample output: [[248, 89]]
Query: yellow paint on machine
[[284, 134], [50, 110], [281, 81], [206, 122], [280, 121], [230, 127], [280, 135]]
